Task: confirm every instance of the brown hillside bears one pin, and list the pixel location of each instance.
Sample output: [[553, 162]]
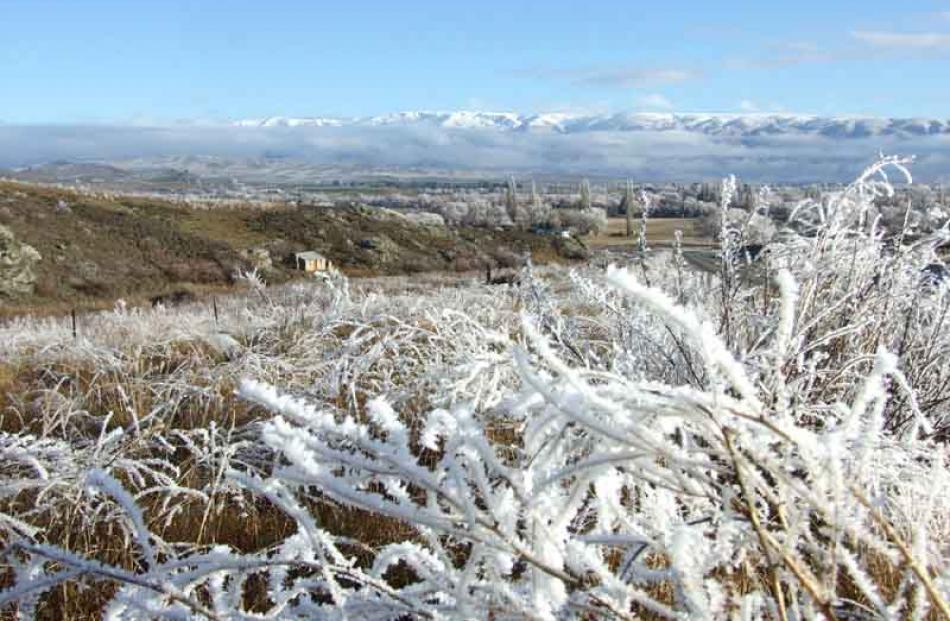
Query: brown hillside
[[95, 249]]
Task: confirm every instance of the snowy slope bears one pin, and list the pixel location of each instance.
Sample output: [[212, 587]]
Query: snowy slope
[[729, 125]]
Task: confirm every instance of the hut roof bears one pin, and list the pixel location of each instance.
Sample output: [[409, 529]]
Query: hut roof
[[309, 255]]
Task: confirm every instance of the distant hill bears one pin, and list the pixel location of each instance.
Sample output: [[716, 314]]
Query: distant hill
[[94, 250]]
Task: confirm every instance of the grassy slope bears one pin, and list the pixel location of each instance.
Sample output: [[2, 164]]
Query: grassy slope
[[102, 248]]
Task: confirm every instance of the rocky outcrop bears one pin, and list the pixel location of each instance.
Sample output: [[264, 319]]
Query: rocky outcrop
[[571, 247], [17, 266], [259, 258], [380, 250]]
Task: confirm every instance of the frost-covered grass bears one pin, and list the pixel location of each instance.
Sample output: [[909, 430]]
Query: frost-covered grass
[[645, 442]]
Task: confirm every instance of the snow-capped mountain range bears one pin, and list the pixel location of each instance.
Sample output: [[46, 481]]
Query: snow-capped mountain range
[[727, 125], [757, 147]]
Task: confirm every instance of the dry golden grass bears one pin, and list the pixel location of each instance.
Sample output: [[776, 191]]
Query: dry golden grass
[[248, 526], [257, 525]]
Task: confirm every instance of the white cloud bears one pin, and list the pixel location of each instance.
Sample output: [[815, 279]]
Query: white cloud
[[747, 105], [617, 77], [803, 47], [277, 152], [635, 77], [905, 40], [654, 101], [784, 54]]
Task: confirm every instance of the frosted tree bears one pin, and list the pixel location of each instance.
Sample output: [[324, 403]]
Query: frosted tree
[[511, 198], [585, 197], [627, 206], [645, 201], [519, 215], [539, 213], [535, 197]]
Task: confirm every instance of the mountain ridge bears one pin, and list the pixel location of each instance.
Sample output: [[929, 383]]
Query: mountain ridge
[[710, 124]]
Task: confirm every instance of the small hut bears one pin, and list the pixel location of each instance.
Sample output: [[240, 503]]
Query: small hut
[[311, 261]]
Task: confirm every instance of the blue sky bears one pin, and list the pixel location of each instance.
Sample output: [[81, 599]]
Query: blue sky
[[145, 61]]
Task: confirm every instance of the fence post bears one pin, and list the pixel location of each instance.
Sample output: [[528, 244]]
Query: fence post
[[214, 305], [72, 313]]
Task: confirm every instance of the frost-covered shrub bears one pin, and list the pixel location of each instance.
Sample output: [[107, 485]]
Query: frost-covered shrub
[[755, 228], [581, 221]]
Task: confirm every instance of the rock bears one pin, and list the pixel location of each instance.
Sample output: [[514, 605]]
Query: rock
[[424, 218], [87, 269], [175, 298], [259, 258], [570, 247], [224, 344], [382, 247], [17, 263], [379, 252], [381, 213]]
